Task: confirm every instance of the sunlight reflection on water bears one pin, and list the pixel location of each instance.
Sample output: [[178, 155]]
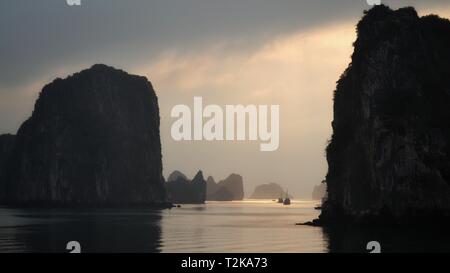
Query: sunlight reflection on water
[[239, 226]]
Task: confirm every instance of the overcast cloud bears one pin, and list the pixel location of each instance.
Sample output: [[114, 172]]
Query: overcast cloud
[[287, 52]]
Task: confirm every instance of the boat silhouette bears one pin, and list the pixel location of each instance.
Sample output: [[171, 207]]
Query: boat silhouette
[[287, 200]]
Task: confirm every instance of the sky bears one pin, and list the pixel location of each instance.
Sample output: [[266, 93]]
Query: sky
[[263, 52]]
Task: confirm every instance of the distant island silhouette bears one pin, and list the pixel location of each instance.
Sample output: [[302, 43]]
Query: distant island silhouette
[[269, 191], [228, 189], [181, 190]]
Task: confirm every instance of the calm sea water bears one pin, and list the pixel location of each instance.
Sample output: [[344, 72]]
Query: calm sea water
[[246, 226]]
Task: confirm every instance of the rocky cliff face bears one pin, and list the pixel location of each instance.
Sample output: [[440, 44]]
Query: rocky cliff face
[[93, 138], [6, 146], [183, 191], [389, 155], [231, 188]]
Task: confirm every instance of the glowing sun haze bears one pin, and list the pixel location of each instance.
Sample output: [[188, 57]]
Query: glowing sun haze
[[296, 71]]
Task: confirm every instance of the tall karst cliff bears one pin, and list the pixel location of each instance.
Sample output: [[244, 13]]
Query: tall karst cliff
[[389, 156], [93, 139], [6, 147]]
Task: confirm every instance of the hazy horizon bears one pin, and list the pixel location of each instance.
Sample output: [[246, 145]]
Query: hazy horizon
[[289, 53]]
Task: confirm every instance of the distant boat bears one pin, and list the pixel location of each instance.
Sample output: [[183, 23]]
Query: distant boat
[[280, 200], [287, 200]]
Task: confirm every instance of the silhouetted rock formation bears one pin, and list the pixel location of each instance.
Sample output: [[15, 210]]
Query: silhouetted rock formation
[[222, 194], [231, 188], [319, 191], [269, 191], [211, 187], [93, 139], [6, 146], [234, 184], [389, 154], [183, 191], [175, 175]]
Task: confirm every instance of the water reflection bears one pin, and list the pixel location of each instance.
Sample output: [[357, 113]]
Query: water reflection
[[249, 226], [214, 227], [100, 230], [392, 239]]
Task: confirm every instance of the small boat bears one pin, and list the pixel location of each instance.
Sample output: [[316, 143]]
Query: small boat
[[280, 199], [287, 200]]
